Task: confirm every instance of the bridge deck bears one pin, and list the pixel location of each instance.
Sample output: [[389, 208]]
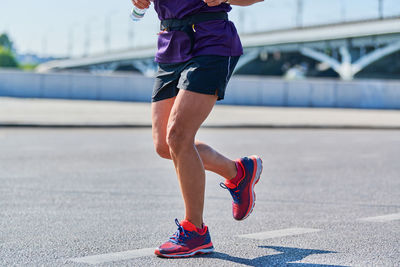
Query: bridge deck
[[358, 29]]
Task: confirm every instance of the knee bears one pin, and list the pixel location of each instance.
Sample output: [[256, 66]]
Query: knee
[[177, 138], [162, 150]]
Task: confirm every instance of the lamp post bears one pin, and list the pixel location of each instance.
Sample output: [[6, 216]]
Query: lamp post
[[107, 31], [380, 8], [131, 35], [88, 36], [44, 45], [71, 39], [299, 17], [45, 40], [343, 10], [241, 20]]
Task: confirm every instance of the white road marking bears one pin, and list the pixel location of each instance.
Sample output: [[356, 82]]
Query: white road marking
[[117, 256], [280, 233], [383, 218]]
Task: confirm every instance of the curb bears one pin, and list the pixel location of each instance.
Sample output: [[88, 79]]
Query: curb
[[216, 126]]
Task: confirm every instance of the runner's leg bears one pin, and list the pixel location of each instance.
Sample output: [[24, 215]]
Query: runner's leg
[[212, 160], [187, 114]]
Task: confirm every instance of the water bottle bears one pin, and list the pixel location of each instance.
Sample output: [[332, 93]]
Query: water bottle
[[137, 14]]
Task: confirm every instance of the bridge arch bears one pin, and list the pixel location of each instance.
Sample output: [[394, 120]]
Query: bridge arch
[[346, 68]]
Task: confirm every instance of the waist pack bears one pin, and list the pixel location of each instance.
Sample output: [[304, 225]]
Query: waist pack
[[187, 24]]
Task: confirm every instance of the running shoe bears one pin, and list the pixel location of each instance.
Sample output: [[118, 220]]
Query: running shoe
[[186, 242], [243, 194]]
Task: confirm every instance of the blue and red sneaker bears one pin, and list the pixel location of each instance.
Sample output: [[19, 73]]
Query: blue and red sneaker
[[243, 193], [187, 241]]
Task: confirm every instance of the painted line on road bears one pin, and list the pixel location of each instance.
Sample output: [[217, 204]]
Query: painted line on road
[[382, 218], [144, 252], [117, 256], [280, 233]]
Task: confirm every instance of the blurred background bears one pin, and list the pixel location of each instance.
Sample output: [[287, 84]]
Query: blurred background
[[347, 40]]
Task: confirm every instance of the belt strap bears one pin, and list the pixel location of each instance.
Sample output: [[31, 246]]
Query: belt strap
[[186, 24]]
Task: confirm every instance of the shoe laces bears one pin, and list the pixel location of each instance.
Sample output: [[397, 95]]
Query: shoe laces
[[180, 234], [235, 192]]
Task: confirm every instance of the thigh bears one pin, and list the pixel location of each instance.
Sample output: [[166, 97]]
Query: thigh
[[189, 111], [160, 112]]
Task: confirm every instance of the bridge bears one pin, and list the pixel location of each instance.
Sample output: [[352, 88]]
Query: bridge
[[347, 48]]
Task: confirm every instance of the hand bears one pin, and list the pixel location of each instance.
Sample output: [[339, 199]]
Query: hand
[[214, 2], [142, 4]]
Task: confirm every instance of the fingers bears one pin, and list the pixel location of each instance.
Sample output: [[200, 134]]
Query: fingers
[[142, 4], [213, 2]]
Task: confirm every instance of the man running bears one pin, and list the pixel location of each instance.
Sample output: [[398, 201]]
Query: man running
[[198, 48]]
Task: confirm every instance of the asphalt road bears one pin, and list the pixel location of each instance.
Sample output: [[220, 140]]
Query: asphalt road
[[66, 194]]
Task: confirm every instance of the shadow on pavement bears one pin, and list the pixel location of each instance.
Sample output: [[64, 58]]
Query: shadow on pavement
[[284, 258]]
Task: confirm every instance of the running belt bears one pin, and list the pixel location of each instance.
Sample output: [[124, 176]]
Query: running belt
[[187, 24]]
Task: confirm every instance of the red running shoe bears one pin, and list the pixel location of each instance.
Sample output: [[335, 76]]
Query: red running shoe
[[186, 242], [243, 193]]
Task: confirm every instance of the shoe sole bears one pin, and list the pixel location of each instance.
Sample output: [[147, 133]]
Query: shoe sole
[[193, 253], [257, 162]]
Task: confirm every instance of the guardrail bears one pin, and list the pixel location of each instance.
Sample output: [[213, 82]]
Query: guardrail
[[260, 91]]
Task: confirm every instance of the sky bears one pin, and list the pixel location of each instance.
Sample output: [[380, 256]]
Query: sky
[[78, 27]]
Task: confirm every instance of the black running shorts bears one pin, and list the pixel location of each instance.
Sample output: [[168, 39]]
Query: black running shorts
[[202, 74]]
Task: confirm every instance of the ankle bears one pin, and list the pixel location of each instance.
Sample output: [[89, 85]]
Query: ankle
[[231, 170], [191, 225], [239, 174]]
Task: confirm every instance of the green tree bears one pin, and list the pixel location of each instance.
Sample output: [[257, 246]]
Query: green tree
[[7, 58], [6, 42]]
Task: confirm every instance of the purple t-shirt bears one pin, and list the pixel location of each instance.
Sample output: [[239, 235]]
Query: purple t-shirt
[[211, 37]]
